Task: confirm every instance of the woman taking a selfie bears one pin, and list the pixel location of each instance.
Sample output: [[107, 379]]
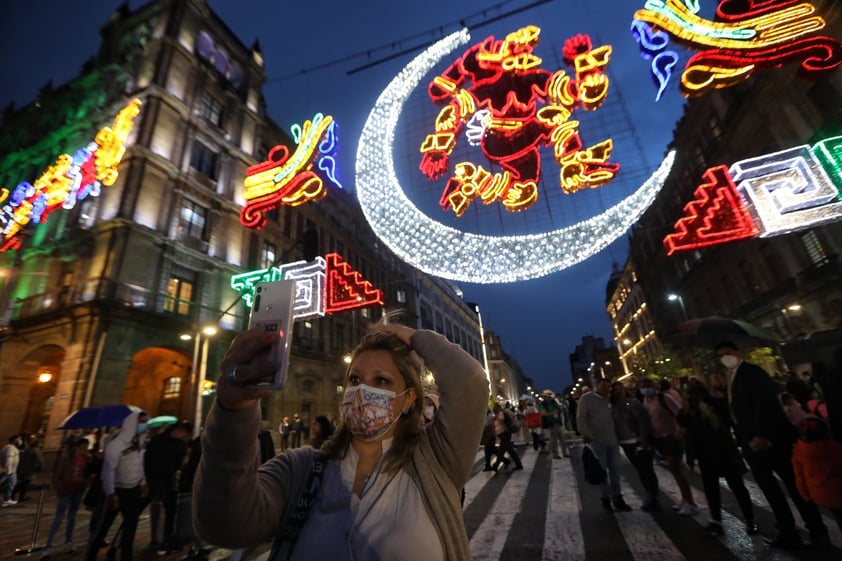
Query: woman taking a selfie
[[381, 488]]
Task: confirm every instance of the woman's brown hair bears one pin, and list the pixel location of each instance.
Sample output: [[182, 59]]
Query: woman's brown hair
[[408, 428]]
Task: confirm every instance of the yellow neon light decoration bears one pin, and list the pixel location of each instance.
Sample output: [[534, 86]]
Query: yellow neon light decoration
[[767, 30], [112, 143]]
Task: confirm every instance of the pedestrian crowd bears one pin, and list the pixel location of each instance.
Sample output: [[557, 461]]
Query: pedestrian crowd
[[788, 437], [400, 455]]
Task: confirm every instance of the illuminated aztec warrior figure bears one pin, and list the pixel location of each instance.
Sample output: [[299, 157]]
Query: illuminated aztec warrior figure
[[493, 91]]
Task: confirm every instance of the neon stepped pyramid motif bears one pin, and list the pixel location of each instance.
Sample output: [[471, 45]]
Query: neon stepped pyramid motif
[[322, 286], [766, 196]]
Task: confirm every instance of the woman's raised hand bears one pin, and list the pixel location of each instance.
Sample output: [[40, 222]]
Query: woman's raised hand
[[400, 331], [246, 361]]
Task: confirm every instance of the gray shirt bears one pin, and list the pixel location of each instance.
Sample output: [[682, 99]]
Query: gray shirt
[[594, 419]]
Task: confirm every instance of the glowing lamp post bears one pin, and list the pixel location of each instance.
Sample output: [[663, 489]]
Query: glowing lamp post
[[677, 298], [197, 378]]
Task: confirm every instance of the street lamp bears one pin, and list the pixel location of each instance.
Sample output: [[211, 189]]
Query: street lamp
[[677, 297], [200, 366]]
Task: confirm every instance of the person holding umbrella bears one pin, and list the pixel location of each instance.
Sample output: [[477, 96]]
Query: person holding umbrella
[[124, 484]]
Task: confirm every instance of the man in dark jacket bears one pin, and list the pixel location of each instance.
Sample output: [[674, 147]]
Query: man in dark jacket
[[296, 428], [767, 439], [163, 460]]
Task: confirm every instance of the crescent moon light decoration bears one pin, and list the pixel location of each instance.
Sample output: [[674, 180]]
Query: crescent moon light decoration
[[443, 251]]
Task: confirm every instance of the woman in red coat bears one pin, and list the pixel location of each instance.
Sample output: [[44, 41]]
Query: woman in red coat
[[817, 462]]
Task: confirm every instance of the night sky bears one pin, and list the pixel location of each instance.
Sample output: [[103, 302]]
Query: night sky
[[541, 321]]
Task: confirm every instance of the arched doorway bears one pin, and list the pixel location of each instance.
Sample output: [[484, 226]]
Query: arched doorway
[[159, 382], [29, 393]]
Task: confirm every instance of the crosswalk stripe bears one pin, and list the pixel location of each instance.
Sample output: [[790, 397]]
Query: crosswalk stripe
[[563, 537], [738, 542], [644, 537], [489, 539], [757, 497]]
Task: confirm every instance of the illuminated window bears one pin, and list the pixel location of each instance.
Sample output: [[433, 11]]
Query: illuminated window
[[814, 248], [365, 313], [172, 388], [193, 220], [204, 160], [180, 292], [401, 297], [269, 255], [211, 109]]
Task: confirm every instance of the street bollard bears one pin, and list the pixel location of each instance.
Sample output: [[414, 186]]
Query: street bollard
[[32, 548]]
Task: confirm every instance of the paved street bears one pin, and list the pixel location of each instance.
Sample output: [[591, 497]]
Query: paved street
[[545, 512]]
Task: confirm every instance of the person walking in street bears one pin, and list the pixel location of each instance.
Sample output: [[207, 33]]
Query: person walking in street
[[505, 426], [707, 425], [667, 438], [552, 416], [70, 480], [9, 460], [596, 424], [767, 439], [296, 430], [382, 488], [162, 463], [31, 462], [124, 484], [817, 463], [634, 432], [489, 440], [285, 428]]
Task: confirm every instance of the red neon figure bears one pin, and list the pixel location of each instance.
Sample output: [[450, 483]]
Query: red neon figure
[[494, 91], [716, 215]]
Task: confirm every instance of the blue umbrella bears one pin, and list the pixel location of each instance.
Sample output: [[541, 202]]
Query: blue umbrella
[[97, 416]]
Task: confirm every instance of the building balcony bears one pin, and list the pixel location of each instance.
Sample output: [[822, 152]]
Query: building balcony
[[119, 296]]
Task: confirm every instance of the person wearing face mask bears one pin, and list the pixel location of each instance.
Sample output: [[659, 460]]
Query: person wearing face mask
[[383, 487], [663, 409], [124, 484], [767, 438]]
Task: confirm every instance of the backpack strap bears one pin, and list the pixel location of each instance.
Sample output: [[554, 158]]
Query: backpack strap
[[291, 527]]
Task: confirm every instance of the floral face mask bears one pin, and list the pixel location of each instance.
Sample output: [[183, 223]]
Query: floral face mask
[[369, 412]]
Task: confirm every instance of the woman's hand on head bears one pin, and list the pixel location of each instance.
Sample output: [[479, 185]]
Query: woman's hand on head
[[400, 331], [246, 361]]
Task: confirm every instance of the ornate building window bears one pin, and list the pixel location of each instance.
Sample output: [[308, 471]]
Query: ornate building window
[[205, 161], [211, 109], [180, 288], [193, 220], [172, 388], [269, 255], [814, 248]]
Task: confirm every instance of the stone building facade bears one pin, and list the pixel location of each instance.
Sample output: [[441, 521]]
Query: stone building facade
[[105, 302]]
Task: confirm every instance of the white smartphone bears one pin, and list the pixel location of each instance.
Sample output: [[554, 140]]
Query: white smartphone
[[273, 311]]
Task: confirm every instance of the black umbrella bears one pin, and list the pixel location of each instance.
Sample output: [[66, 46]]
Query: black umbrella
[[707, 332], [97, 416]]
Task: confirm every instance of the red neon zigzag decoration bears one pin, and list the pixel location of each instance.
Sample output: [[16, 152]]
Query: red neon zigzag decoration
[[716, 215], [346, 288]]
